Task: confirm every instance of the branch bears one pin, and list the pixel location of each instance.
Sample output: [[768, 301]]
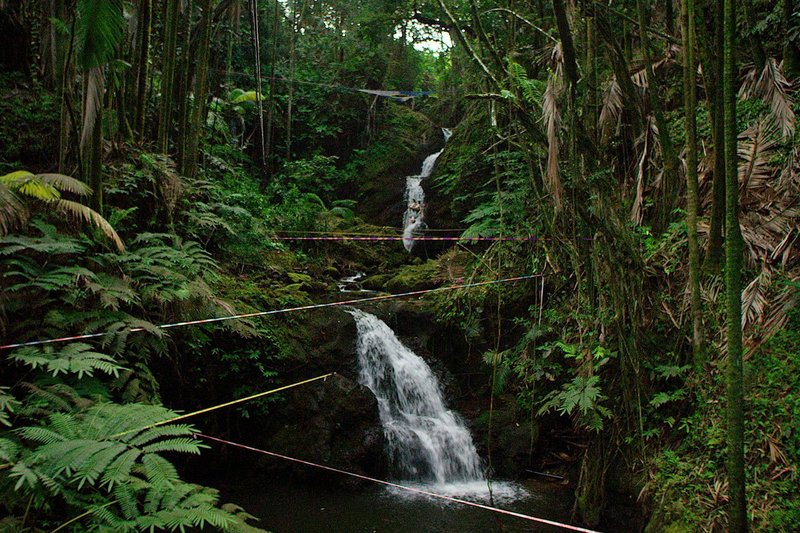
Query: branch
[[468, 47], [523, 19], [441, 25], [649, 29]]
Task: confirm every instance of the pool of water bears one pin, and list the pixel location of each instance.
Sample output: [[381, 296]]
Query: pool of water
[[285, 507]]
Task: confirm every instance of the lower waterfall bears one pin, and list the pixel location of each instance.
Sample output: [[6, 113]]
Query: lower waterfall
[[426, 442]]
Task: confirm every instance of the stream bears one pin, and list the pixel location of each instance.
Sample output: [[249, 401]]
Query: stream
[[305, 507]]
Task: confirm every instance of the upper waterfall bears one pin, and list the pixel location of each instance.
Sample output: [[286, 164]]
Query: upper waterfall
[[414, 217]]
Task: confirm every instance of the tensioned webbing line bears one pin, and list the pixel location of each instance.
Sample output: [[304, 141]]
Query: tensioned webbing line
[[401, 487], [379, 238], [267, 313], [223, 405]]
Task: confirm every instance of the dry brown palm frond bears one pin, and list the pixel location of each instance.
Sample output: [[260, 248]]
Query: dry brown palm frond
[[612, 109], [552, 118], [756, 147], [66, 183], [12, 211], [754, 298], [90, 215], [91, 105], [648, 147], [771, 86]]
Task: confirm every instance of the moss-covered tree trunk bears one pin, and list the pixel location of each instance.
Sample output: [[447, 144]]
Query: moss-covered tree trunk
[[692, 195], [200, 89], [714, 88], [168, 75], [734, 262], [669, 180], [142, 64]]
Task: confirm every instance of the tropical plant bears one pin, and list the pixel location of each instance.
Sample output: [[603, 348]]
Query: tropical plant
[[47, 189]]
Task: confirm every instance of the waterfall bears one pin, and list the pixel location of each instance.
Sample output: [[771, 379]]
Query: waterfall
[[426, 441], [413, 218]]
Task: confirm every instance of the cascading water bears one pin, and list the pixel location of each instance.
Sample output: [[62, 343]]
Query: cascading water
[[426, 441], [413, 218]]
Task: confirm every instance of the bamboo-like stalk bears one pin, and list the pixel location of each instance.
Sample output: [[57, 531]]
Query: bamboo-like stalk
[[734, 263], [692, 188]]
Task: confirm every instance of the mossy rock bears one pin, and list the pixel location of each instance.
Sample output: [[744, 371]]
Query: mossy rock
[[415, 278], [376, 282]]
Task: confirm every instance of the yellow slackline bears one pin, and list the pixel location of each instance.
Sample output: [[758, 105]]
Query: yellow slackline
[[220, 406], [187, 415], [87, 513]]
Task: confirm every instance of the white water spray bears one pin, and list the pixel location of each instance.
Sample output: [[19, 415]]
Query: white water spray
[[414, 217]]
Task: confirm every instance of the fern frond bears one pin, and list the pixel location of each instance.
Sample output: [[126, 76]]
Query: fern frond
[[171, 430], [73, 358], [159, 471], [187, 445]]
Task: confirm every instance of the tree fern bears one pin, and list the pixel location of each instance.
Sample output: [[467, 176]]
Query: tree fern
[[7, 404], [108, 454], [73, 358]]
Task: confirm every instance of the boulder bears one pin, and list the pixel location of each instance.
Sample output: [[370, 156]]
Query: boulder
[[334, 423]]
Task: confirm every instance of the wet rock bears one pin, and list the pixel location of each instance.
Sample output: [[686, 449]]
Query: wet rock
[[334, 423], [513, 442]]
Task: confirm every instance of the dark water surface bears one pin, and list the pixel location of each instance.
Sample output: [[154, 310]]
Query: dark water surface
[[285, 507]]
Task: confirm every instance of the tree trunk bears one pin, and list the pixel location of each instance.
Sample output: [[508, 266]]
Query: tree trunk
[[734, 263], [201, 89], [184, 87], [168, 75], [669, 180], [143, 61], [714, 88], [692, 195]]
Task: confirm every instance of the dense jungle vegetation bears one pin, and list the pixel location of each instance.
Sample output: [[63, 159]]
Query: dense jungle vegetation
[[154, 155]]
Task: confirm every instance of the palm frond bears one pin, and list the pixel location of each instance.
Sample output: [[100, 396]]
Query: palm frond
[[92, 102], [90, 215], [27, 183], [100, 28], [552, 119], [771, 86], [12, 211], [66, 183], [612, 108]]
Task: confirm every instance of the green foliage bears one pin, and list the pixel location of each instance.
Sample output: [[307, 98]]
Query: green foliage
[[689, 479], [74, 358], [108, 458]]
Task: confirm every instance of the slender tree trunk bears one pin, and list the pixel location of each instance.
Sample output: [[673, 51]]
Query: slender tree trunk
[[296, 18], [66, 86], [591, 70], [715, 89], [94, 161], [692, 195], [756, 47], [271, 97], [184, 87], [791, 55], [143, 60], [168, 75], [669, 180], [669, 17], [568, 49], [201, 89], [734, 263]]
